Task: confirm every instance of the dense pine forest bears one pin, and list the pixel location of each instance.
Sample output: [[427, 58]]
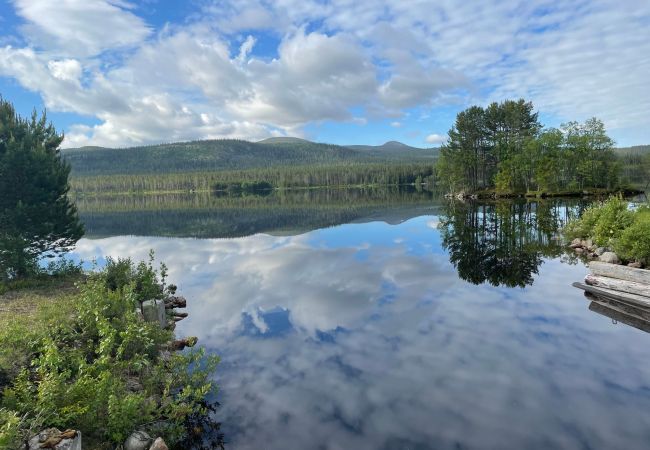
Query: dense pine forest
[[352, 174], [230, 154]]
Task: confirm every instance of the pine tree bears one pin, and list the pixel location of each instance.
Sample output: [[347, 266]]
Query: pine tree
[[37, 218]]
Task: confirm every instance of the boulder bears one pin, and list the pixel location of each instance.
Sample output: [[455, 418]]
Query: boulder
[[576, 243], [55, 439], [599, 251], [579, 250], [138, 440], [158, 444], [180, 344], [154, 311], [635, 264], [609, 257]]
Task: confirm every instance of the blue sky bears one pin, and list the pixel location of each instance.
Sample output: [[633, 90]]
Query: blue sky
[[119, 73]]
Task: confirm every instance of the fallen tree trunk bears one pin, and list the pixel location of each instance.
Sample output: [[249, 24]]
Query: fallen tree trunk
[[614, 284], [620, 272]]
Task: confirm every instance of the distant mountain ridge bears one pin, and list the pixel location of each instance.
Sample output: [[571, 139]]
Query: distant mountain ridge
[[231, 154]]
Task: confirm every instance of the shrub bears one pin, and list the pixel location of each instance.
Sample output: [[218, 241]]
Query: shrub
[[613, 218], [634, 241], [88, 362], [603, 222]]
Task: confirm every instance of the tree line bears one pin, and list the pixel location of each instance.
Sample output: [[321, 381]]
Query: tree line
[[344, 174], [505, 148]]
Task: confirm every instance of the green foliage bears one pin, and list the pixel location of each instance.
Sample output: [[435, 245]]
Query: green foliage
[[36, 217], [287, 177], [89, 362], [634, 241], [602, 222], [504, 147], [229, 154]]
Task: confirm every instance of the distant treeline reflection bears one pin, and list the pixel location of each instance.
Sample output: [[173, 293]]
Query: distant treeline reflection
[[504, 243], [237, 213]]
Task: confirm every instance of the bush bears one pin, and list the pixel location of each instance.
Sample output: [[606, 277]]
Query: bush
[[634, 242], [89, 362], [603, 222]]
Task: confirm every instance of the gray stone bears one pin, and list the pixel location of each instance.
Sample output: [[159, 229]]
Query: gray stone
[[154, 311], [159, 444], [609, 257], [599, 251], [138, 440], [635, 264]]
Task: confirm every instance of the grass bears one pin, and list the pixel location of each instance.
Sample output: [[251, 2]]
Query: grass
[[24, 297]]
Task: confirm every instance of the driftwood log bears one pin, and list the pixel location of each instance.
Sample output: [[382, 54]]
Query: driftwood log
[[618, 272], [630, 287], [624, 297]]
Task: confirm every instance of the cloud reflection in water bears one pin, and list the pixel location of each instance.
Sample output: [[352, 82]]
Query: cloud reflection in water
[[322, 348]]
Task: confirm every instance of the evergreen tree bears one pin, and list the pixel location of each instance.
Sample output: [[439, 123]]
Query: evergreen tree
[[36, 217]]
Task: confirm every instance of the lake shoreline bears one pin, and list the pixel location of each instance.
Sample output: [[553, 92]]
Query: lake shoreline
[[491, 195]]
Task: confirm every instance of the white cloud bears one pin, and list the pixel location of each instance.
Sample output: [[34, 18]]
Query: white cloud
[[80, 27], [435, 138], [396, 124], [572, 59]]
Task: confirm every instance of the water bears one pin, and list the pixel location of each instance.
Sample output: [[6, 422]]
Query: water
[[391, 321]]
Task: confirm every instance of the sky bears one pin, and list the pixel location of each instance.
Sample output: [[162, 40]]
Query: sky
[[119, 73]]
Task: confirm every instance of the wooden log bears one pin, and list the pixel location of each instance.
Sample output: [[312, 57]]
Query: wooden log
[[614, 284], [624, 297], [619, 316], [620, 272]]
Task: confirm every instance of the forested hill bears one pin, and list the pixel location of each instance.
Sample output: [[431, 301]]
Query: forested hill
[[227, 154], [396, 149]]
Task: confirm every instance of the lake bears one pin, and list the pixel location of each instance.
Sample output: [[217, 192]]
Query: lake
[[374, 319]]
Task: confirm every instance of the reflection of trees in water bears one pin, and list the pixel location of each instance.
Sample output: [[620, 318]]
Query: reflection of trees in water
[[210, 216], [505, 242]]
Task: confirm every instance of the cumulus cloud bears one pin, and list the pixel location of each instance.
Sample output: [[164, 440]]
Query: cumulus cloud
[[435, 138], [334, 59], [80, 27]]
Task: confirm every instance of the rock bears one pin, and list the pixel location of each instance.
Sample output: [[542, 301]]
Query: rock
[[180, 344], [55, 439], [154, 311], [138, 440], [609, 257], [599, 251], [133, 384], [589, 244], [158, 444], [635, 264], [579, 250], [576, 242]]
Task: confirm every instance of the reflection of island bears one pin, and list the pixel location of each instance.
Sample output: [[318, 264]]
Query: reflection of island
[[505, 242], [279, 213]]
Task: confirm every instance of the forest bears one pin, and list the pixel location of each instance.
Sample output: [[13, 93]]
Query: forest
[[342, 174], [505, 148]]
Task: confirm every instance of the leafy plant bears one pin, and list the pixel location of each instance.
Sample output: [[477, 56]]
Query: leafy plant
[[89, 362]]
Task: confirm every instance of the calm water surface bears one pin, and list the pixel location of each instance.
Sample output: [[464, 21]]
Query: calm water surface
[[419, 325]]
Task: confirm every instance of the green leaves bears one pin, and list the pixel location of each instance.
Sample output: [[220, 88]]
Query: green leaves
[[94, 365]]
